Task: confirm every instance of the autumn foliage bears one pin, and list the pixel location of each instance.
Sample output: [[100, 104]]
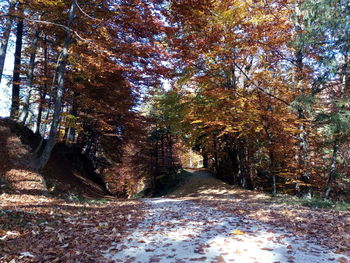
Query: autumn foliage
[[259, 89], [252, 87]]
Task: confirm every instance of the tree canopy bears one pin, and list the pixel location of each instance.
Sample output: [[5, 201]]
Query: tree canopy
[[260, 89]]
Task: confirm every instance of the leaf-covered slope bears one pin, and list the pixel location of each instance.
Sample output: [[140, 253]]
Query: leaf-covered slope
[[16, 173]]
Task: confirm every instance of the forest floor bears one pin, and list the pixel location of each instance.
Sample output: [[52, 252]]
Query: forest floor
[[38, 226], [204, 220]]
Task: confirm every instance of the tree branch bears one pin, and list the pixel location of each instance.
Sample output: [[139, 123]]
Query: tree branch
[[67, 29], [83, 12], [261, 89]]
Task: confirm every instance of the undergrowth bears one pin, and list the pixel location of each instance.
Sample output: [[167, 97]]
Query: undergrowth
[[76, 198], [172, 183], [315, 202]]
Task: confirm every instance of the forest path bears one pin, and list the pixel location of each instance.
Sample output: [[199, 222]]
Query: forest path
[[183, 230]]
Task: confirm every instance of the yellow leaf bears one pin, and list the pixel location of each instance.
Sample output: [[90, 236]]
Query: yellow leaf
[[237, 232], [196, 121]]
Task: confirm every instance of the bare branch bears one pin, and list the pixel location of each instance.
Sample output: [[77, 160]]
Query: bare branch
[[67, 29], [261, 89], [84, 13]]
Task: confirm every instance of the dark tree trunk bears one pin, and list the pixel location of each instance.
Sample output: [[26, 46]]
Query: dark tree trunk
[[16, 70], [5, 38], [170, 142], [216, 156], [26, 104], [244, 176], [241, 177], [248, 170], [234, 164], [272, 158], [205, 160], [162, 149], [155, 169], [45, 156]]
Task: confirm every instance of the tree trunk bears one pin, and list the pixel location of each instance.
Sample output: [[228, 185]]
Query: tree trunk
[[162, 149], [24, 114], [45, 156], [5, 38], [303, 140], [170, 142], [155, 169], [234, 164], [216, 161], [242, 171], [40, 112], [272, 170], [271, 156], [44, 91], [73, 112], [17, 68], [248, 170], [205, 160], [332, 172], [303, 158]]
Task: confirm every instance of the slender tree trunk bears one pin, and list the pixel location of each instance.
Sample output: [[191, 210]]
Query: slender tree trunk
[[5, 38], [162, 149], [248, 170], [45, 156], [24, 114], [244, 179], [155, 169], [273, 173], [37, 150], [170, 142], [303, 158], [216, 161], [40, 111], [73, 112], [332, 172], [44, 91], [271, 156], [17, 69], [303, 140], [242, 171]]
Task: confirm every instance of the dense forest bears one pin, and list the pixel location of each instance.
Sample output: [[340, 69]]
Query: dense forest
[[260, 89]]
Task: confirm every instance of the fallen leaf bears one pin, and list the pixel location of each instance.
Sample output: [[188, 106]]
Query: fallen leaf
[[237, 232], [267, 249], [27, 254]]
